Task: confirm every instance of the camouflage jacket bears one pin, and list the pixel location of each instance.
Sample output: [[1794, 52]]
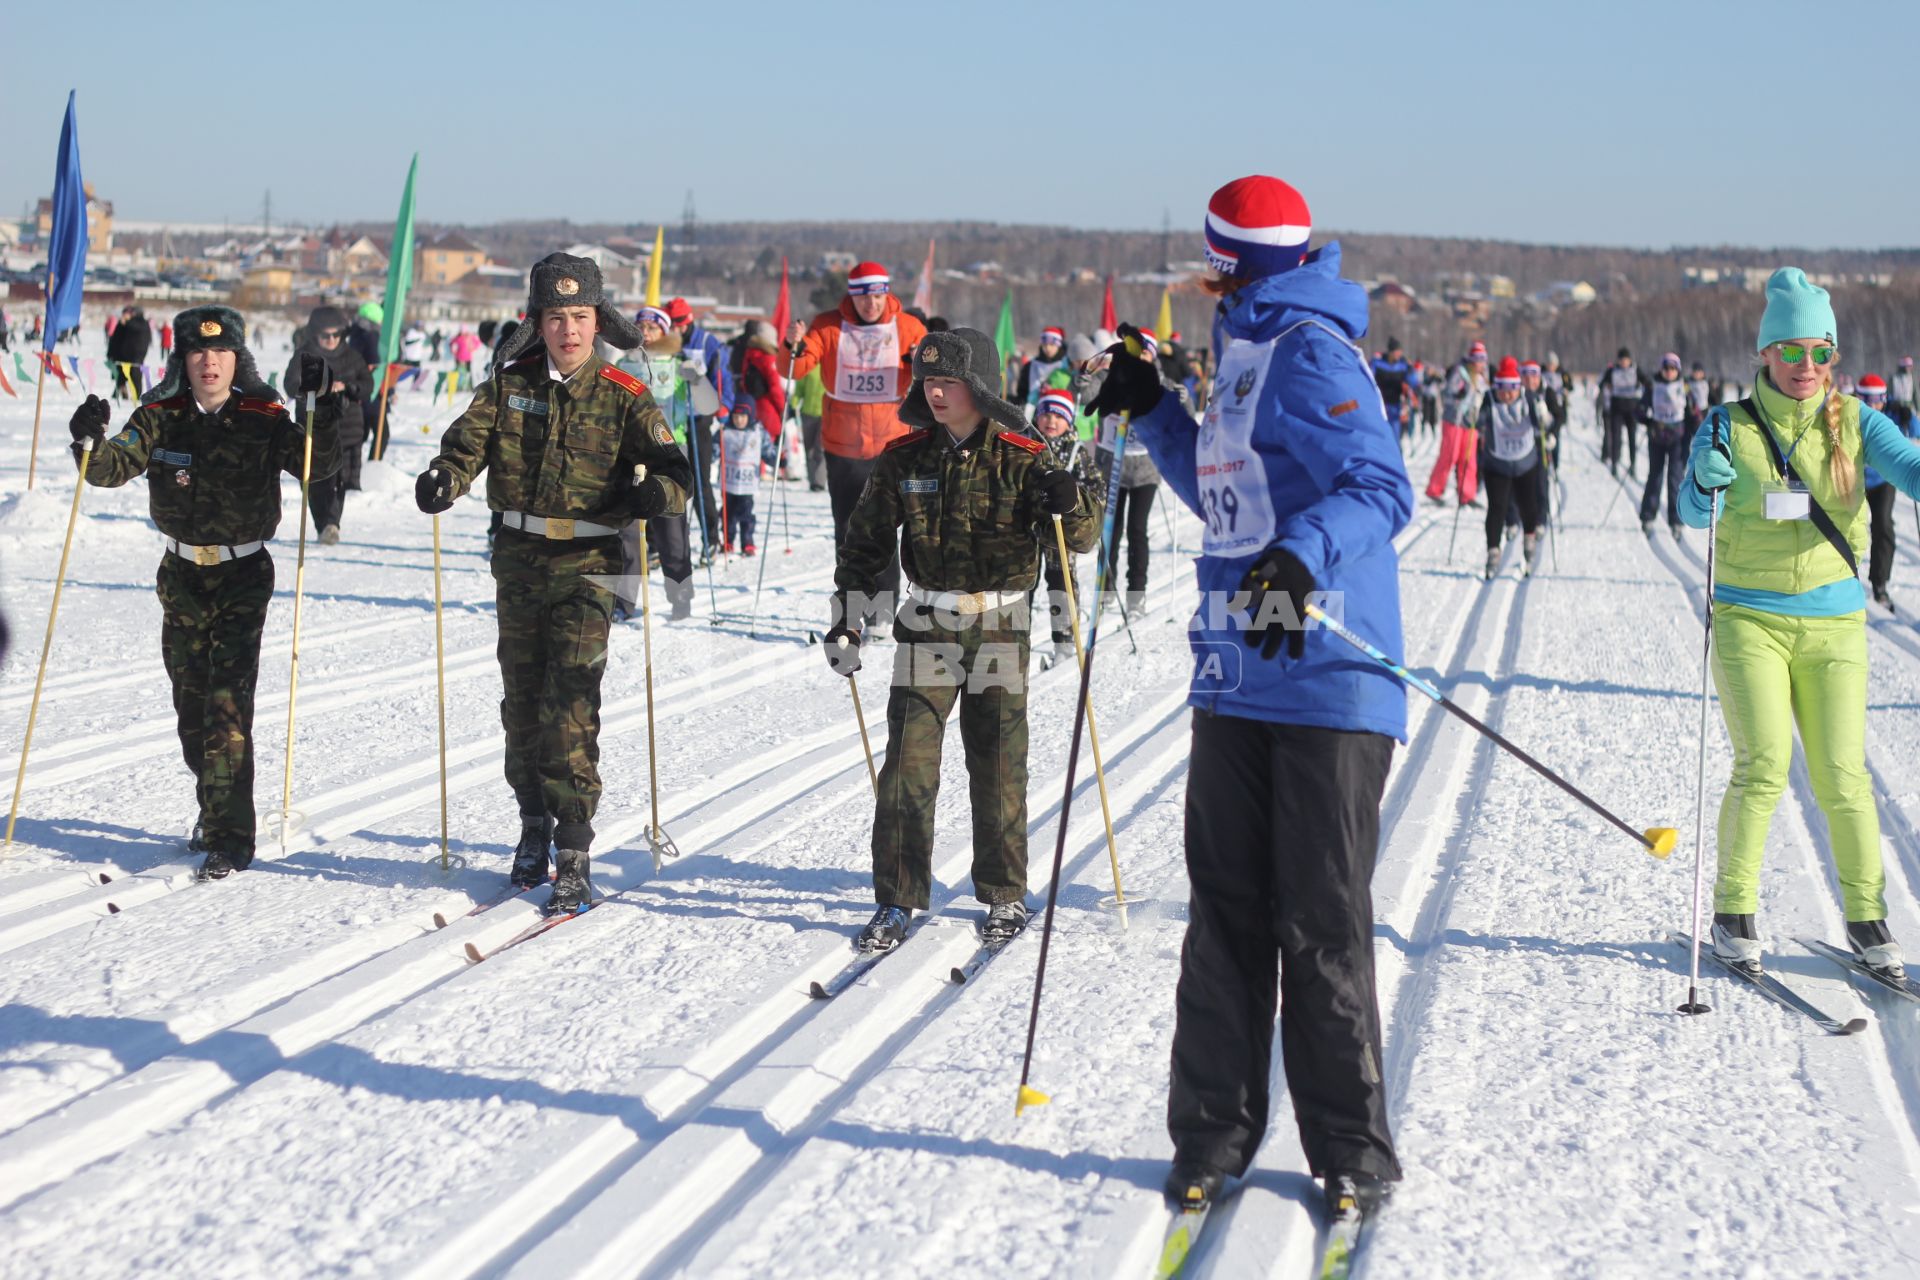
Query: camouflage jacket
[[966, 517], [213, 479], [563, 449]]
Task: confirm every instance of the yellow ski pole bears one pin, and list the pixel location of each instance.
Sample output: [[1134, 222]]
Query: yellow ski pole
[[657, 839], [861, 718], [1093, 734], [46, 647], [299, 582], [440, 672]]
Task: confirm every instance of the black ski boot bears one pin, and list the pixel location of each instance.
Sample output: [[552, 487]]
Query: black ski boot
[[572, 891], [1355, 1193], [1736, 941], [1194, 1184], [1004, 921], [1873, 942], [219, 864], [197, 842], [887, 930], [530, 855]]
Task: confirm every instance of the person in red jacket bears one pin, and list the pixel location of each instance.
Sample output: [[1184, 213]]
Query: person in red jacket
[[864, 350], [760, 384]]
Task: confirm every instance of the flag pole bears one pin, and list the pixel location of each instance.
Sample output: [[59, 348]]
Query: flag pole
[[39, 392]]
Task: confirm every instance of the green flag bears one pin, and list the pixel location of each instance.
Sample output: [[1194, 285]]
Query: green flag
[[1003, 338], [399, 273]]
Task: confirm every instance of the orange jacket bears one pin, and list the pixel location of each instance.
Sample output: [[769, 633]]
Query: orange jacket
[[847, 428]]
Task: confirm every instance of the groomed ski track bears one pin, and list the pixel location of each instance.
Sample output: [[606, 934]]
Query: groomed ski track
[[294, 1073]]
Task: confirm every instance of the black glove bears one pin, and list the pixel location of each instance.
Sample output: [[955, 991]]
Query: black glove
[[1059, 492], [433, 491], [1277, 570], [1132, 385], [648, 499], [90, 419], [310, 375], [843, 649]]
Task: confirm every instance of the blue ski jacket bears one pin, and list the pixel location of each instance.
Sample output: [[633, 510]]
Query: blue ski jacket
[[715, 351], [1296, 451]]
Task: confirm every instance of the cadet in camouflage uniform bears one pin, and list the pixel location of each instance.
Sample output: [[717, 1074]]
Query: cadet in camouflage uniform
[[559, 433], [970, 500], [213, 441]]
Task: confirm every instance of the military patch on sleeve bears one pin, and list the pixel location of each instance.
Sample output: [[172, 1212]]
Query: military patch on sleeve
[[662, 433], [920, 486], [527, 404], [126, 438], [1345, 406]]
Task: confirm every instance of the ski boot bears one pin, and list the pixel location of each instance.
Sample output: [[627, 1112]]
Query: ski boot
[[1885, 601], [572, 891], [1647, 527], [1355, 1192], [682, 610], [1493, 563], [197, 842], [1873, 942], [1004, 921], [330, 535], [219, 864], [1677, 529], [887, 930], [1193, 1185], [1530, 549], [530, 855], [1064, 654], [1737, 942]]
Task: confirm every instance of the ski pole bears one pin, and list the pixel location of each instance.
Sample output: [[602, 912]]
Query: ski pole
[[1093, 733], [1694, 1004], [1110, 531], [46, 646], [860, 718], [1658, 841], [658, 842], [1029, 1096], [1454, 537], [299, 583], [440, 673]]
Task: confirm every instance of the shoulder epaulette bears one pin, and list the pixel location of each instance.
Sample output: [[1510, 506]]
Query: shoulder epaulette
[[621, 378], [171, 402], [910, 438], [1023, 442], [268, 407]]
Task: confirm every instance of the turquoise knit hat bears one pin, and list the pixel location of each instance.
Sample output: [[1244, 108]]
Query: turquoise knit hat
[[1796, 308]]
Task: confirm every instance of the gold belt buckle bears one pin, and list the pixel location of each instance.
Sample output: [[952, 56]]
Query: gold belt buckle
[[560, 530], [205, 556], [973, 603]]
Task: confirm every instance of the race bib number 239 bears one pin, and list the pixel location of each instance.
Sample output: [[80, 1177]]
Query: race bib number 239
[[1235, 502]]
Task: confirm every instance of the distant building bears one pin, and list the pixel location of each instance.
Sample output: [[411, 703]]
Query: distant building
[[265, 285], [624, 274], [447, 259], [1568, 293], [1395, 297], [99, 220]]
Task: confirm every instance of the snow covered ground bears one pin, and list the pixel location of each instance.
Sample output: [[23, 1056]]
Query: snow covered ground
[[295, 1073]]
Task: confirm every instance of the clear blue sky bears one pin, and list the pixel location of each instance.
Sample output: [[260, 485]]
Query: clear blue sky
[[1647, 124]]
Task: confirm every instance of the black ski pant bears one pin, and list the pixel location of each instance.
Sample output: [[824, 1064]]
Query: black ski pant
[[1622, 417], [703, 464], [327, 499], [846, 481], [1522, 491], [1880, 500], [1281, 831], [816, 456], [1667, 451], [1130, 513], [666, 538]]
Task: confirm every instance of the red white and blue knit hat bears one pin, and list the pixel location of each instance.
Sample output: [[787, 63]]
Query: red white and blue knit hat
[[1257, 226], [1477, 353], [1529, 366], [1872, 388], [1056, 333], [1508, 374], [1054, 400], [869, 277], [654, 316], [1670, 359], [1151, 343]]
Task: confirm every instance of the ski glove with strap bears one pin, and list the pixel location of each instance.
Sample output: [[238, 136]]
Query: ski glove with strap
[[1713, 470], [843, 649], [90, 419], [1059, 492], [1132, 385], [1277, 570], [433, 491], [648, 499], [311, 375]]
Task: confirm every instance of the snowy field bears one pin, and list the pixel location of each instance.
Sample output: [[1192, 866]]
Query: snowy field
[[296, 1073]]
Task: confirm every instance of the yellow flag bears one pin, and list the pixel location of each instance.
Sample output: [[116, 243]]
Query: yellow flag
[[1163, 327], [653, 266], [453, 384]]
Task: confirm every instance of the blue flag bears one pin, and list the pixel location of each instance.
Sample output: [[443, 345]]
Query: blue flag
[[67, 242]]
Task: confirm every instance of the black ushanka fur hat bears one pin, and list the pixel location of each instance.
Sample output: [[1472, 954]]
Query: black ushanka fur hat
[[966, 354], [210, 328], [562, 280]]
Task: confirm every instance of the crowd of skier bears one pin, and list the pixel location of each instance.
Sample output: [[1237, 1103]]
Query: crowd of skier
[[600, 438]]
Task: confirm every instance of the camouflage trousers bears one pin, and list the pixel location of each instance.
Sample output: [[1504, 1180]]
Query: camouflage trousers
[[210, 623], [554, 621], [981, 663]]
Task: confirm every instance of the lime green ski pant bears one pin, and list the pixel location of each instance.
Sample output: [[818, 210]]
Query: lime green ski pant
[[1773, 672]]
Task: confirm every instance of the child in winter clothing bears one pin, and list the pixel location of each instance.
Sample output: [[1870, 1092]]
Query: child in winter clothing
[[1666, 412], [1789, 615], [740, 472], [1872, 391], [1508, 428], [1054, 419]]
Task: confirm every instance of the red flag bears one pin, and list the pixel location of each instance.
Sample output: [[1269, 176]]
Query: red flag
[[923, 292], [51, 361], [783, 309], [1108, 320], [7, 386]]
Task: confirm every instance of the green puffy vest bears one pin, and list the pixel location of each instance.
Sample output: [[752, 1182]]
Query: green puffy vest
[[1789, 556]]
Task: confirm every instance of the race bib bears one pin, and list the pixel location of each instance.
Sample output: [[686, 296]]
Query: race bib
[[1231, 475], [867, 370]]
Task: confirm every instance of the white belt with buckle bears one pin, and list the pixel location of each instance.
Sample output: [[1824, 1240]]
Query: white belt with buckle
[[211, 555], [965, 603], [558, 530]]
